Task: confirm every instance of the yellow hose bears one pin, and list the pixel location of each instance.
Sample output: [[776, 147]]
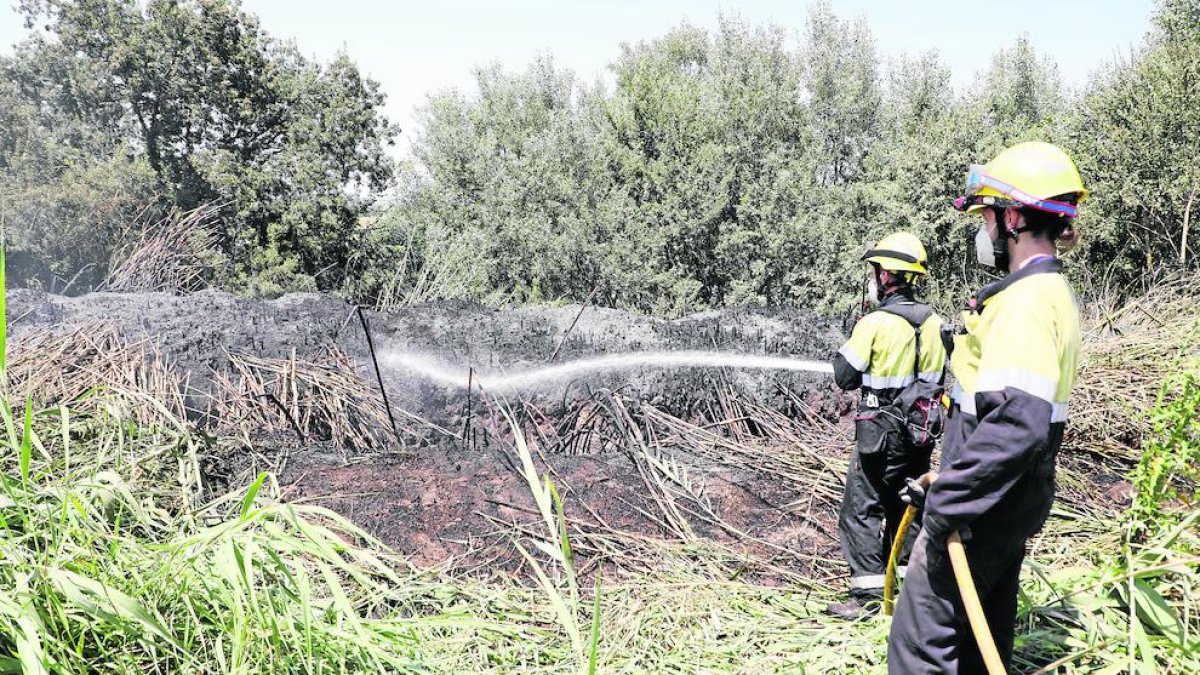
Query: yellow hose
[[979, 624], [962, 575], [889, 579]]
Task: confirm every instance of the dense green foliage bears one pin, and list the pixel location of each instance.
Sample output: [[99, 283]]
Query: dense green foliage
[[114, 106], [1137, 138], [732, 167]]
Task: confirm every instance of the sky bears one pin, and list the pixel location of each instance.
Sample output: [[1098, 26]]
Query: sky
[[415, 48]]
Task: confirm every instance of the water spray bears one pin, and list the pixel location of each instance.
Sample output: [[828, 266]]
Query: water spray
[[431, 369]]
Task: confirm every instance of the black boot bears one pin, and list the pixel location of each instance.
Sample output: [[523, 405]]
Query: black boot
[[855, 608]]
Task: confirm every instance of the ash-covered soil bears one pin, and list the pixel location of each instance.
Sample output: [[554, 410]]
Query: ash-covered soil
[[442, 506], [446, 493], [197, 332]]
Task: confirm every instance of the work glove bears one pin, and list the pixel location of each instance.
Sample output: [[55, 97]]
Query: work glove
[[913, 493], [937, 530], [947, 335]]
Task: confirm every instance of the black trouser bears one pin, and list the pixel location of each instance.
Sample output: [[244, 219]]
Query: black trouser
[[871, 507], [930, 631]]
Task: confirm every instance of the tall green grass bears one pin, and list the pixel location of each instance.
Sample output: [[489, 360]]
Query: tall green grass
[[1124, 597], [103, 578], [102, 574]]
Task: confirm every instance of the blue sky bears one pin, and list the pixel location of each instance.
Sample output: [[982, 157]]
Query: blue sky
[[415, 48]]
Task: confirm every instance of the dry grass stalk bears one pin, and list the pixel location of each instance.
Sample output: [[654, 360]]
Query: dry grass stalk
[[58, 368], [1128, 353], [325, 400], [674, 460], [803, 455], [172, 255]]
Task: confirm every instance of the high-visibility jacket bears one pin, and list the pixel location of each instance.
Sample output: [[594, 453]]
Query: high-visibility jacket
[[880, 357], [880, 354], [1014, 369]]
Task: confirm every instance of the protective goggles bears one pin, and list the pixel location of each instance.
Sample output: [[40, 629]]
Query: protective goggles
[[978, 180]]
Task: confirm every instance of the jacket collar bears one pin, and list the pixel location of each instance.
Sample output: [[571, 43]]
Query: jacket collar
[[1042, 266], [900, 296]]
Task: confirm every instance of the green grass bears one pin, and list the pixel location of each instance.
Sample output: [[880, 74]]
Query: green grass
[[103, 577]]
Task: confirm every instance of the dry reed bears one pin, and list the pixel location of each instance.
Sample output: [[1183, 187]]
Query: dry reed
[[173, 254]]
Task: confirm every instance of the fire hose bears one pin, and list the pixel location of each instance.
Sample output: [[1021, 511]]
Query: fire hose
[[889, 578], [966, 587]]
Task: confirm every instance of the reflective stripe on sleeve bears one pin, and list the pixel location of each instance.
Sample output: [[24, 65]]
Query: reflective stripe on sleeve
[[1058, 411], [1030, 383], [1059, 414], [855, 361], [966, 403]]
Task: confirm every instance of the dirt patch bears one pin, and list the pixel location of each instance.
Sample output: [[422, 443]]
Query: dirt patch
[[435, 507]]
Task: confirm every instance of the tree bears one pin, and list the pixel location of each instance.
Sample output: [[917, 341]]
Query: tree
[[220, 113], [1137, 138], [1021, 89], [841, 82], [725, 167], [517, 171], [68, 187]]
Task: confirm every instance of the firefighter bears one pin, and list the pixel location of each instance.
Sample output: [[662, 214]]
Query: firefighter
[[1014, 365], [881, 358]]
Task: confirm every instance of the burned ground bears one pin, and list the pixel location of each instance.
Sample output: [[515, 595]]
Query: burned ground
[[745, 463], [196, 333]]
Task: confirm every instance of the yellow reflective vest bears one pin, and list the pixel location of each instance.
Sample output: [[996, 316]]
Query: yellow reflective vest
[[882, 351]]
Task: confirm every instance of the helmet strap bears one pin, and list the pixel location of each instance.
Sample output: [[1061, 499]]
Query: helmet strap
[[899, 282], [881, 289], [1000, 243], [1049, 227]]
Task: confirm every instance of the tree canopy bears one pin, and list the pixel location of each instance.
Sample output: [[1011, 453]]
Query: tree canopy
[[183, 103], [734, 167]]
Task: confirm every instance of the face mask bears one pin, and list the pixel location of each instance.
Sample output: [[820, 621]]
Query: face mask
[[873, 291], [991, 253], [984, 251]]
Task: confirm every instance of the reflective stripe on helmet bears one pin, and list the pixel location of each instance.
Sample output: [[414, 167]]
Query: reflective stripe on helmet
[[1033, 174], [884, 253]]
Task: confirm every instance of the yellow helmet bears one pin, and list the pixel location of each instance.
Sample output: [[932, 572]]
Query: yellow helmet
[[1033, 174], [899, 252]]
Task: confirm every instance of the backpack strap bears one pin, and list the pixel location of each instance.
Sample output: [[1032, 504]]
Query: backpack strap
[[916, 314], [917, 349]]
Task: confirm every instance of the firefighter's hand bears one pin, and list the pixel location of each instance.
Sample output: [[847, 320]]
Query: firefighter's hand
[[914, 489], [913, 493], [947, 335]]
